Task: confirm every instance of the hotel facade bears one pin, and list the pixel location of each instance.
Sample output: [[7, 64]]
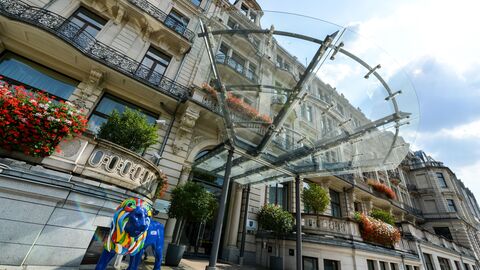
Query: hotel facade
[[145, 54]]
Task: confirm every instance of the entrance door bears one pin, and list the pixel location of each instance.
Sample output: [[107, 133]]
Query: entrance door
[[198, 237]]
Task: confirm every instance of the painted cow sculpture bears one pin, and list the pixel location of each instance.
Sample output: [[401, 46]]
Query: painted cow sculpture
[[128, 231]]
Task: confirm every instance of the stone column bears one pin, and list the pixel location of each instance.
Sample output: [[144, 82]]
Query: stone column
[[350, 200], [233, 223], [368, 205], [237, 205]]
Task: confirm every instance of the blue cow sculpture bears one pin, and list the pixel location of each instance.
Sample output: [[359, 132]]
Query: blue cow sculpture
[[155, 239]]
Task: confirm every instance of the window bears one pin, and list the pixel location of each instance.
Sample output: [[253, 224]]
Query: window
[[335, 203], [457, 265], [105, 107], [441, 180], [371, 265], [428, 261], [443, 231], [153, 66], [87, 22], [237, 63], [252, 70], [253, 16], [176, 21], [444, 263], [409, 267], [36, 76], [244, 9], [196, 2], [357, 206], [383, 266], [451, 205], [222, 53], [277, 194], [279, 61], [393, 266], [309, 263], [307, 113], [331, 265], [232, 24], [466, 266]]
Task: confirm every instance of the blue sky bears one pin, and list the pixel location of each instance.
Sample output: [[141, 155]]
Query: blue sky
[[436, 43]]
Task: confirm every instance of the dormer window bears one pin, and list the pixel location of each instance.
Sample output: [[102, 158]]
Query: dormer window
[[253, 16]]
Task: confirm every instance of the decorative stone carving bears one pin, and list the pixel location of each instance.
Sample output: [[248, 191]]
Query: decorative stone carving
[[90, 86], [185, 130], [119, 16]]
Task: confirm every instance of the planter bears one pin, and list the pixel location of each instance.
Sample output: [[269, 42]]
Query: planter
[[276, 263], [174, 254]]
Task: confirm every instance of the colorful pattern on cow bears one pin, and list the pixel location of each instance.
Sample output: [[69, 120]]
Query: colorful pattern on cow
[[119, 240]]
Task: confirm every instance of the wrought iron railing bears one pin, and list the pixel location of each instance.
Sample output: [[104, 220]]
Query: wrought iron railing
[[279, 99], [237, 67], [88, 45], [167, 20], [413, 210]]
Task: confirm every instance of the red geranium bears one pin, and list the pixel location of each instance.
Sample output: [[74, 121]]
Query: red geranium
[[33, 123], [237, 105], [377, 231], [380, 187]]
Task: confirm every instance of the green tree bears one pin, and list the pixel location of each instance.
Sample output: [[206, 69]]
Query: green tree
[[316, 199], [383, 216], [129, 129], [273, 218], [191, 202]]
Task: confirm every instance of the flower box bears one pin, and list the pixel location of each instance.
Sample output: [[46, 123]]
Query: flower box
[[377, 231], [380, 187], [33, 123], [237, 105]]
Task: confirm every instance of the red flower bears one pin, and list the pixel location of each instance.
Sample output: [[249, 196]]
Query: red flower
[[377, 231], [32, 122], [380, 187]]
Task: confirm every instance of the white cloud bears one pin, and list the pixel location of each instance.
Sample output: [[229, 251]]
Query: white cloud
[[466, 131], [469, 174], [444, 29]]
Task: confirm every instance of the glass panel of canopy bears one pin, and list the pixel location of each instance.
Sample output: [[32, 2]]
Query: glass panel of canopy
[[312, 100]]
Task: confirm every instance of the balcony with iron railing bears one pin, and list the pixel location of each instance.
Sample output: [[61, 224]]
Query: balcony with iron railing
[[71, 33], [168, 21], [236, 67]]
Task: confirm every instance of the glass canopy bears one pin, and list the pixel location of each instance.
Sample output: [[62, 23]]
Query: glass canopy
[[301, 96]]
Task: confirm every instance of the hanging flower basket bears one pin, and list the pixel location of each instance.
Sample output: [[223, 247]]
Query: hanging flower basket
[[395, 181], [377, 231], [239, 106], [380, 187], [33, 123]]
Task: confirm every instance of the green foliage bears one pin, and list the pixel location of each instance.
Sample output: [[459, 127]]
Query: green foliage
[[129, 129], [383, 216], [192, 202], [274, 218], [315, 198]]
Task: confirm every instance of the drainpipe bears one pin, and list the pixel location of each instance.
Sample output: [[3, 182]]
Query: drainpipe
[[167, 133]]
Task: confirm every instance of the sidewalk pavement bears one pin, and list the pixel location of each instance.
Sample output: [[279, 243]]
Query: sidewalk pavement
[[194, 264]]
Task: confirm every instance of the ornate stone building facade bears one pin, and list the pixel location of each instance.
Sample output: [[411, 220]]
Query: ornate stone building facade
[[144, 54]]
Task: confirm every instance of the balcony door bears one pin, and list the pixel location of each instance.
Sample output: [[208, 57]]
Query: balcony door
[[154, 65]]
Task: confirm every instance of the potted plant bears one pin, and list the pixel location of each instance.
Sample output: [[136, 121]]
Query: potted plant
[[129, 129], [274, 219], [316, 199], [34, 123], [383, 215], [190, 202]]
